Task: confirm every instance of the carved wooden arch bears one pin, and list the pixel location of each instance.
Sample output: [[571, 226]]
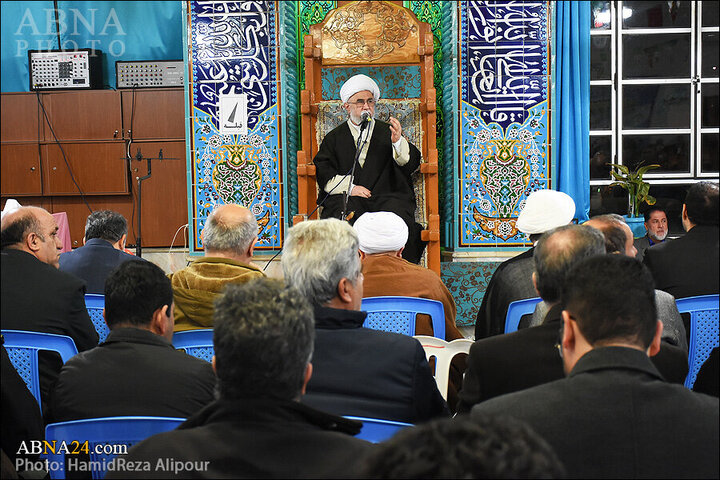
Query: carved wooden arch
[[371, 33]]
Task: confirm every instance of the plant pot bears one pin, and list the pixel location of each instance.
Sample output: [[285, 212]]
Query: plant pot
[[637, 225]]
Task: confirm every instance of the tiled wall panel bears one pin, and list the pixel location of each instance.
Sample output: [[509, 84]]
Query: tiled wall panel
[[232, 49], [504, 117]]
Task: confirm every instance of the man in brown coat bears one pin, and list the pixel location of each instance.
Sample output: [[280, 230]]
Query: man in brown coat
[[382, 238]]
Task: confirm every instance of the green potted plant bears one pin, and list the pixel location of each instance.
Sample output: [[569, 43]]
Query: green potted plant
[[638, 192]]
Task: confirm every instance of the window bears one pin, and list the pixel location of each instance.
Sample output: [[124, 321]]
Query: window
[[653, 98]]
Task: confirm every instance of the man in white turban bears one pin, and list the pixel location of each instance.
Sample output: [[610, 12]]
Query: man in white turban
[[381, 179], [383, 236], [543, 211]]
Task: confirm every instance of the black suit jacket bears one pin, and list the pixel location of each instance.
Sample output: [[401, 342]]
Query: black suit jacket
[[511, 281], [40, 298], [133, 372], [526, 358], [614, 417], [686, 266], [93, 262], [369, 373], [254, 438]]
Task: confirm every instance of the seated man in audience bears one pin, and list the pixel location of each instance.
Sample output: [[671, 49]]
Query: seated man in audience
[[515, 361], [357, 371], [656, 228], [102, 250], [258, 428], [382, 238], [36, 296], [543, 211], [619, 239], [519, 360], [614, 416], [136, 371], [689, 266], [228, 238], [486, 447]]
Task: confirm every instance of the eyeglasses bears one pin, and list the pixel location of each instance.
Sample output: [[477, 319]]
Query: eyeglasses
[[360, 102]]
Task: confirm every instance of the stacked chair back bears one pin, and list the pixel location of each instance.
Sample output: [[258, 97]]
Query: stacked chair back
[[443, 352], [397, 314], [516, 310], [95, 304], [113, 436], [377, 430], [704, 330], [22, 348], [198, 343]]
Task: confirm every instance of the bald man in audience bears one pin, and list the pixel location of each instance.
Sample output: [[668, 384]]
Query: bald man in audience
[[613, 415], [36, 296], [229, 237]]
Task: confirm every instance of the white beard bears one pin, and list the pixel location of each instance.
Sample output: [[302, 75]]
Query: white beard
[[660, 238]]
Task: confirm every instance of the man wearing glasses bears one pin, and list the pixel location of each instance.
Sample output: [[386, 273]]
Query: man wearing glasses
[[380, 180]]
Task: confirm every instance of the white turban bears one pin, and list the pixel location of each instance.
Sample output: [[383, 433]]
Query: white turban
[[381, 232], [10, 206], [545, 210], [358, 83]]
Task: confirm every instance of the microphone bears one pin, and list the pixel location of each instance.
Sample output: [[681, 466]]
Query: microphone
[[365, 121]]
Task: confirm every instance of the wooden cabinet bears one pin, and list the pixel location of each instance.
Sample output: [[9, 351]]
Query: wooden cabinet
[[98, 168], [158, 114], [91, 126], [19, 117], [20, 173], [82, 116]]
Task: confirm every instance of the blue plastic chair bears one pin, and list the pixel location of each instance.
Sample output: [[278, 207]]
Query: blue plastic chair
[[22, 348], [377, 430], [114, 435], [516, 310], [198, 343], [397, 314], [95, 304], [704, 331]]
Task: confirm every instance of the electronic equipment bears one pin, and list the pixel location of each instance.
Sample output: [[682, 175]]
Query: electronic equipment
[[158, 73], [62, 69]]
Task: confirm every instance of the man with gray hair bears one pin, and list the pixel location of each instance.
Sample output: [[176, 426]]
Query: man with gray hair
[[102, 250], [228, 238], [257, 428], [357, 371]]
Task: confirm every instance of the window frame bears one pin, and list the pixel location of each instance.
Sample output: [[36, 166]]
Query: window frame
[[694, 82]]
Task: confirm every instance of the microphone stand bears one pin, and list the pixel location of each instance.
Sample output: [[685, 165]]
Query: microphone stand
[[358, 149]]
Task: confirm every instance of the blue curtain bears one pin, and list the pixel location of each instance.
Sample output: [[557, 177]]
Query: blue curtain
[[572, 80], [122, 30]]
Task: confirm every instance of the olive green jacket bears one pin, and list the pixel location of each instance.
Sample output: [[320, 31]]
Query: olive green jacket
[[198, 285]]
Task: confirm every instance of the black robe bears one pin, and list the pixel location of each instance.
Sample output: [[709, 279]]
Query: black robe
[[390, 184]]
